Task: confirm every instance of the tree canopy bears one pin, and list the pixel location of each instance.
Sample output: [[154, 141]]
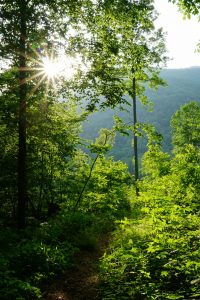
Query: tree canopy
[[185, 125], [189, 7]]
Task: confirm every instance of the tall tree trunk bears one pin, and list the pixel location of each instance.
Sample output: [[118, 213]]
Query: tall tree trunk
[[22, 176], [134, 133]]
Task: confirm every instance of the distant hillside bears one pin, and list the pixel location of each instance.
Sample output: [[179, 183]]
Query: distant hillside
[[183, 86]]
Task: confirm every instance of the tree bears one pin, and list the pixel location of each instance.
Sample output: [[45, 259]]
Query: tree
[[185, 125], [52, 141], [22, 179], [28, 31], [127, 56]]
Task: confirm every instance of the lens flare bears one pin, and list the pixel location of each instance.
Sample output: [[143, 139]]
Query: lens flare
[[59, 67], [51, 68]]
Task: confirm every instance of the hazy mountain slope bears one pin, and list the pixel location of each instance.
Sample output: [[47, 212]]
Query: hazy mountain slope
[[183, 86]]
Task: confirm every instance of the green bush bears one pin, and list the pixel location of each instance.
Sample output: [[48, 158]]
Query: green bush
[[154, 260], [156, 253], [29, 259], [36, 257], [12, 287]]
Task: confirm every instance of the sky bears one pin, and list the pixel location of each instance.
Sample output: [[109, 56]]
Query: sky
[[182, 35]]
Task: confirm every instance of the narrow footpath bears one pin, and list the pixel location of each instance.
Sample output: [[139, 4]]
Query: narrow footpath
[[80, 282]]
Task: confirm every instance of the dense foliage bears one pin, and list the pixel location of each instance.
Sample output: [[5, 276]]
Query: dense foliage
[[59, 193], [155, 253], [46, 247]]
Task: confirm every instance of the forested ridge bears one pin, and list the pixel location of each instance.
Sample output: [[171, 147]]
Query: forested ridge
[[76, 221], [182, 86]]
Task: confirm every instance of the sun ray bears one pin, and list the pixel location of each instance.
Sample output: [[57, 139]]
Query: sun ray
[[37, 86], [48, 67], [53, 83], [46, 89], [27, 79]]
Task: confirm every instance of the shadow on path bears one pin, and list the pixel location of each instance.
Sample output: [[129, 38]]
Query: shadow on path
[[80, 282]]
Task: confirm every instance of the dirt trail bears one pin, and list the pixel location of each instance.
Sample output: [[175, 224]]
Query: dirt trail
[[81, 282]]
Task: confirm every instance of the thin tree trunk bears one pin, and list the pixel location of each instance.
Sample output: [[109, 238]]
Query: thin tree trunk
[[89, 176], [134, 133], [86, 182], [22, 176]]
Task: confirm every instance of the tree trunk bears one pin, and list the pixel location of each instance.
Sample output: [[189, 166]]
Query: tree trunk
[[22, 176], [134, 133]]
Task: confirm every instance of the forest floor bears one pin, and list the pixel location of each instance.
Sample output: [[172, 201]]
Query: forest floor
[[81, 281]]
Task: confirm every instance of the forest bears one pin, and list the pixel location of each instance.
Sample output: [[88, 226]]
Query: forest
[[99, 154]]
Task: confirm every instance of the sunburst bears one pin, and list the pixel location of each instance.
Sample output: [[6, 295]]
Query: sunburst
[[49, 69], [52, 68]]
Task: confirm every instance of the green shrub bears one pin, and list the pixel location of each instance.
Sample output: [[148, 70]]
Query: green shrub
[[156, 253], [148, 260], [29, 259]]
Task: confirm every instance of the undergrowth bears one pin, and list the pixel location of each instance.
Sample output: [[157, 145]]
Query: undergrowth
[[31, 258], [155, 253]]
